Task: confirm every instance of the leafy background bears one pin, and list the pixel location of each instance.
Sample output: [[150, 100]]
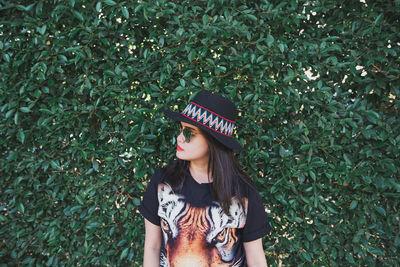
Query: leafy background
[[83, 84]]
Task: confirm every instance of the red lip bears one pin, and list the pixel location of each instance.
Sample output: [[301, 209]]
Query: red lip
[[179, 148]]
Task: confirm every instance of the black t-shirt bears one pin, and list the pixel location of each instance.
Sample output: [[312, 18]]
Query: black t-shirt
[[195, 230]]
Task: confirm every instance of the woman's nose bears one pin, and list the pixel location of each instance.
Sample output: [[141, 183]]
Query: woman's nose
[[181, 138]]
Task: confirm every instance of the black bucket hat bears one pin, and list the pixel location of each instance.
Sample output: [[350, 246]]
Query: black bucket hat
[[212, 113]]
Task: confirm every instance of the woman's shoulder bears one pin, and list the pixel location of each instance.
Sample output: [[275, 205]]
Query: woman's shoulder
[[162, 174], [158, 174], [247, 186], [160, 170]]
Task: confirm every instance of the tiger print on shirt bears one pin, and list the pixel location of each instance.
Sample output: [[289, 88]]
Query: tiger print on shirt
[[199, 236]]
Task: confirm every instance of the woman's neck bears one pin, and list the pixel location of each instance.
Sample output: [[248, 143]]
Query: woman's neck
[[199, 172]]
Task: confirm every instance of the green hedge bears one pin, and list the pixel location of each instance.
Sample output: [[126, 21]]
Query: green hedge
[[83, 85]]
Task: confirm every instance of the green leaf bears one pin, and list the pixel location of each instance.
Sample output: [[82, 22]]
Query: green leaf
[[290, 76], [180, 31], [283, 152], [356, 238], [10, 112], [21, 208], [50, 180], [6, 57], [98, 6], [161, 41], [79, 199], [353, 204], [298, 219], [332, 210], [347, 159], [3, 218], [306, 256], [309, 236], [147, 150], [55, 165], [252, 17], [136, 201], [78, 15], [312, 175], [25, 109], [124, 253], [121, 243], [95, 165], [21, 7], [305, 147], [376, 251], [42, 29], [149, 136], [205, 19], [21, 136], [188, 73], [378, 18], [125, 12], [350, 258], [138, 7], [110, 2], [282, 47], [145, 13], [366, 179], [93, 225], [109, 72], [248, 97], [16, 118], [192, 55], [372, 116], [381, 210]]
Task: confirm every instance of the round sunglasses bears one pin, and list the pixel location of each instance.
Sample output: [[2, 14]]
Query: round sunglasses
[[186, 133]]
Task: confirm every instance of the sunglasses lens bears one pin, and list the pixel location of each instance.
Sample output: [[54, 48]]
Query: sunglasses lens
[[187, 134]]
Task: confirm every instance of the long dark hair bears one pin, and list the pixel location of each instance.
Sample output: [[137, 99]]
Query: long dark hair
[[228, 176]]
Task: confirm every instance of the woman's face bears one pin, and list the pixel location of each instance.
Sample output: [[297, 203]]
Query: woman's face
[[196, 149]]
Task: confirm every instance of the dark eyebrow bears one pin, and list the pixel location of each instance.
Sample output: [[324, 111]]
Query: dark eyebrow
[[193, 129]]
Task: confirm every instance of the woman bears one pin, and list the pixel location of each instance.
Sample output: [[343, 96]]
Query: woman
[[202, 209]]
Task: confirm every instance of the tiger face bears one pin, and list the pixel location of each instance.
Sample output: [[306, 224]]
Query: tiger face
[[198, 236]]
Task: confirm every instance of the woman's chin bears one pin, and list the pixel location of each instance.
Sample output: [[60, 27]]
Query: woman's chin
[[179, 154]]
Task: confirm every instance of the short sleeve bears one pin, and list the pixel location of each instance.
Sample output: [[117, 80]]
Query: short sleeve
[[257, 224], [149, 206]]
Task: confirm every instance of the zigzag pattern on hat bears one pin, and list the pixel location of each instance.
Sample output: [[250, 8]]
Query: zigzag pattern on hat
[[209, 119]]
